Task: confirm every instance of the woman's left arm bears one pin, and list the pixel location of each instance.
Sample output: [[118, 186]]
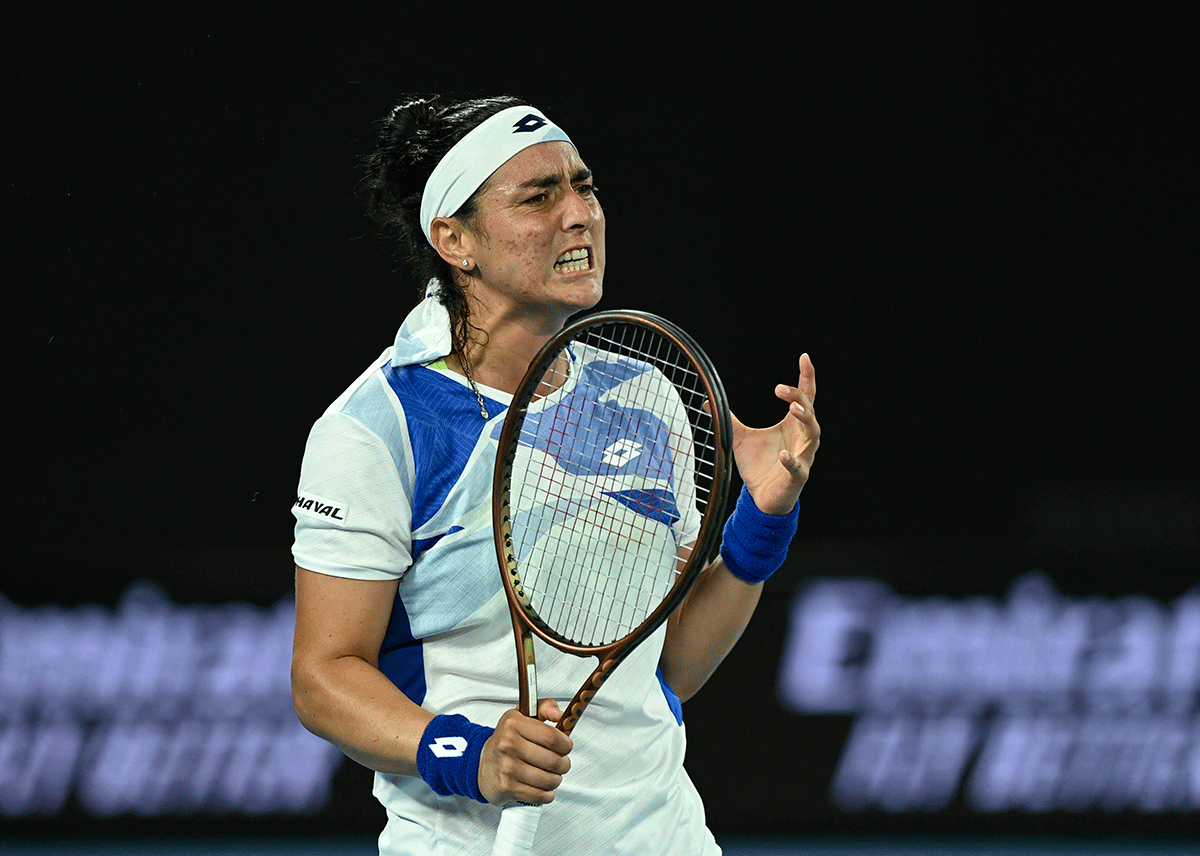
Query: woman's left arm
[[774, 464]]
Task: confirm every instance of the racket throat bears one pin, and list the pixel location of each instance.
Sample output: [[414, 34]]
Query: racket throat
[[585, 695]]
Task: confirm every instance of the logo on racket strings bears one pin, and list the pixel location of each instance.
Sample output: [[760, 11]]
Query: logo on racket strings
[[621, 452], [449, 747]]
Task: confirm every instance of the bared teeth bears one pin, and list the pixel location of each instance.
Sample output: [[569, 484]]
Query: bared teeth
[[574, 260]]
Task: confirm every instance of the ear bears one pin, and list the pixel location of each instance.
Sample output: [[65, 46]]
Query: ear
[[453, 241]]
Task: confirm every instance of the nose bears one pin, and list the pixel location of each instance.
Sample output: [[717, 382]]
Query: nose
[[578, 212]]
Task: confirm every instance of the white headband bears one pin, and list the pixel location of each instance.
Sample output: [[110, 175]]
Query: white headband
[[476, 156]]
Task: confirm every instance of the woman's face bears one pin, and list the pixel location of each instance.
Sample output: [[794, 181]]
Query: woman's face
[[539, 235]]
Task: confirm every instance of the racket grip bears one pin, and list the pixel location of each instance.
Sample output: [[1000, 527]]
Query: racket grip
[[518, 826]]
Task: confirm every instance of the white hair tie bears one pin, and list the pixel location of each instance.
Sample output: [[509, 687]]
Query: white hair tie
[[483, 150]]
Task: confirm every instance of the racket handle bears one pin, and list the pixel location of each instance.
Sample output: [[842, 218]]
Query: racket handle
[[518, 826]]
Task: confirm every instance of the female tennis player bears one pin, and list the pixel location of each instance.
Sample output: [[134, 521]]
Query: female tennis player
[[404, 645]]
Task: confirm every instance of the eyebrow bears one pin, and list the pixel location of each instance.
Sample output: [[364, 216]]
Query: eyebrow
[[551, 179]]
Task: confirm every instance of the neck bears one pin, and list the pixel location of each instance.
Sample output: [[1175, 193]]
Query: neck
[[504, 344], [500, 362]]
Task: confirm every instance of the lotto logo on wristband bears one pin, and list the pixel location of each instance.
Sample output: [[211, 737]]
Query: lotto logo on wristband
[[449, 747], [448, 757]]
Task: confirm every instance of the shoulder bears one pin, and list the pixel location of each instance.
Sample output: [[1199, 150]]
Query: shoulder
[[366, 423], [386, 402]]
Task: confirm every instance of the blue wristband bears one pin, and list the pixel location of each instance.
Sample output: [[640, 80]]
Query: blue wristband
[[755, 544], [448, 757]]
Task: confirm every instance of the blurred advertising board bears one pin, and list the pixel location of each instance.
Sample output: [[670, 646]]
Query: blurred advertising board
[[153, 708], [1037, 702], [878, 688]]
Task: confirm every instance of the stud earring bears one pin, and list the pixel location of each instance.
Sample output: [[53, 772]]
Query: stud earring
[[466, 263]]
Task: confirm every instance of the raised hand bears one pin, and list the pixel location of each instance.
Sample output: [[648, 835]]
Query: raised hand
[[775, 462]]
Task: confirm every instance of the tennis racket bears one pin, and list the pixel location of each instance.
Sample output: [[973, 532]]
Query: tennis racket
[[611, 477]]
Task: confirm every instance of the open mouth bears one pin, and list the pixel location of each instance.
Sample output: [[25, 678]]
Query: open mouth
[[574, 260]]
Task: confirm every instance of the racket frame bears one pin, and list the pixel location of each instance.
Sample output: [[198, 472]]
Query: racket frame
[[526, 622]]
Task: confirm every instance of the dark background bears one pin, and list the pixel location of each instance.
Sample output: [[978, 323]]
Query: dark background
[[977, 218]]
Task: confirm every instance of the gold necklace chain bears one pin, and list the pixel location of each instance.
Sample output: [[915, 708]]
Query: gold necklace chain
[[466, 367]]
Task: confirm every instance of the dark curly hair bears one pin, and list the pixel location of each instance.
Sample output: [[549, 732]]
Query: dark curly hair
[[411, 139]]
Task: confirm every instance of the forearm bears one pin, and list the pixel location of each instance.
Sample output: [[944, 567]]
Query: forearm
[[705, 628], [353, 705]]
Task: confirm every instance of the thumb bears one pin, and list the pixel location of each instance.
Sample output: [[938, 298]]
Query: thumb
[[735, 423], [548, 710]]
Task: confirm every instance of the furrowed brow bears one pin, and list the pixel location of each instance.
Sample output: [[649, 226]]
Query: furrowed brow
[[541, 182]]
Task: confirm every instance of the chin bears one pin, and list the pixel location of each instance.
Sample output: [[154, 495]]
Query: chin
[[590, 296]]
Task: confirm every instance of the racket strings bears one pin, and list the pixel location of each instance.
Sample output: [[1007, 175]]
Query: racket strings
[[599, 598], [681, 371], [608, 497]]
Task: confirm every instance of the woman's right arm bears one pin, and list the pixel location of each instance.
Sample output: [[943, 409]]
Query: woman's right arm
[[340, 694], [337, 688]]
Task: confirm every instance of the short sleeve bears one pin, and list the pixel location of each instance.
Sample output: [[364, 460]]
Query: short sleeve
[[353, 513]]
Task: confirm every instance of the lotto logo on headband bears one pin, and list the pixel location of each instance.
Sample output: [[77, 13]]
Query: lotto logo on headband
[[529, 123], [480, 152]]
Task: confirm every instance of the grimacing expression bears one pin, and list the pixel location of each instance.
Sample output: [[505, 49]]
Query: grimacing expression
[[539, 232]]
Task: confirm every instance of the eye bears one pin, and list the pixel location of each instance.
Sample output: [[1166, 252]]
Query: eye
[[537, 199]]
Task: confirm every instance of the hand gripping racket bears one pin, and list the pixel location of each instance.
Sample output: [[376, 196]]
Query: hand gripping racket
[[608, 500]]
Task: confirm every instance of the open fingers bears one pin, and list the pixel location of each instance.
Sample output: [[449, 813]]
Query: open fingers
[[797, 453], [800, 404], [805, 390], [808, 375], [808, 378]]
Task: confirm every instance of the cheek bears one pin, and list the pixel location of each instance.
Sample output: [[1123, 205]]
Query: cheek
[[598, 237], [528, 249], [511, 249]]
